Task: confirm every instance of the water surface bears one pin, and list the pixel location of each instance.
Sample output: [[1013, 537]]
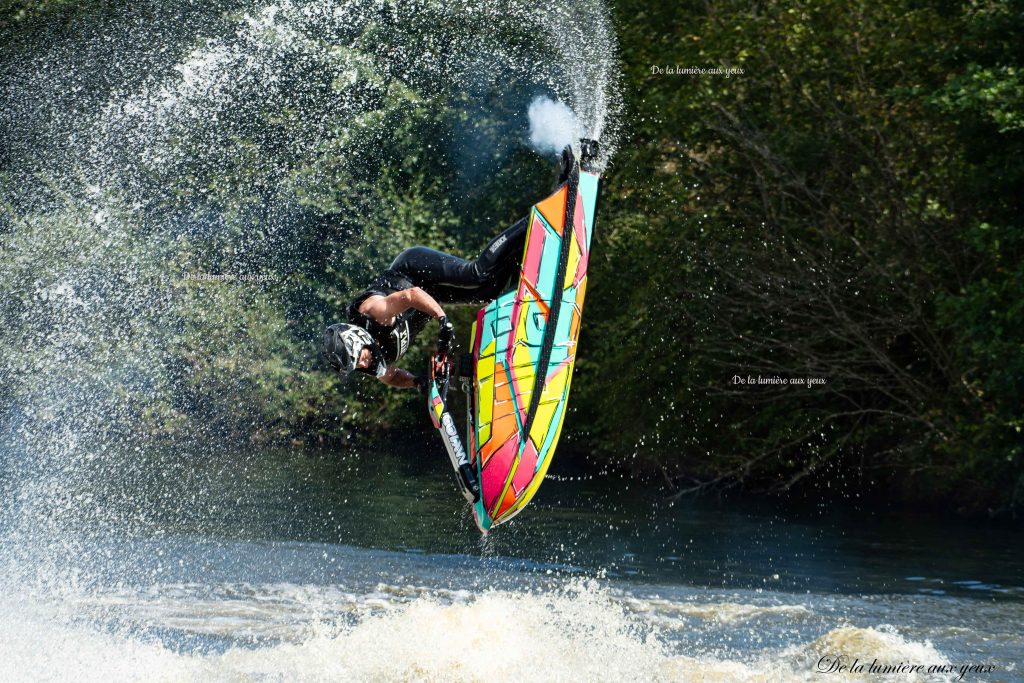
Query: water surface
[[288, 565]]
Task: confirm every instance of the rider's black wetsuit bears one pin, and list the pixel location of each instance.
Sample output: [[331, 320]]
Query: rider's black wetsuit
[[448, 279]]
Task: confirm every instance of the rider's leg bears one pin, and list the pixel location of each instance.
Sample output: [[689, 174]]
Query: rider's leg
[[504, 251], [450, 279]]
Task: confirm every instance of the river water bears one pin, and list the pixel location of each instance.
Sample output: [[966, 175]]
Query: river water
[[365, 564]]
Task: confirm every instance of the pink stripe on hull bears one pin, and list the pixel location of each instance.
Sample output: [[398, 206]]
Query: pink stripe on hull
[[527, 468], [531, 261], [479, 332], [496, 470], [579, 231]]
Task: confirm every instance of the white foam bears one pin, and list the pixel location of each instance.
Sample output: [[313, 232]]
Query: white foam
[[579, 633]]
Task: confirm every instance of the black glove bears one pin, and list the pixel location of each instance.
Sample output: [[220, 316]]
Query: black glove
[[445, 335], [420, 382]]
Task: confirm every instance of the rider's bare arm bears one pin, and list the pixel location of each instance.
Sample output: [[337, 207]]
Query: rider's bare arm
[[398, 378], [383, 309]]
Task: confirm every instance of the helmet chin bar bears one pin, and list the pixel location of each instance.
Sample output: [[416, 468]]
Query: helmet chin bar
[[378, 366]]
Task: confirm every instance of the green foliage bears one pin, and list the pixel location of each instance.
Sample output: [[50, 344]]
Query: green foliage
[[825, 214], [847, 208], [22, 18], [250, 229], [20, 10]]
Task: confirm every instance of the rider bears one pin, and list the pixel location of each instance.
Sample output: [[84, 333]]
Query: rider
[[387, 315]]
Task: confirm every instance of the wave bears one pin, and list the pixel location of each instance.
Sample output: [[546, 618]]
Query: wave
[[581, 630]]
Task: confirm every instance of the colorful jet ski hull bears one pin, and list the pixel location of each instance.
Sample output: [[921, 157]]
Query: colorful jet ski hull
[[524, 350]]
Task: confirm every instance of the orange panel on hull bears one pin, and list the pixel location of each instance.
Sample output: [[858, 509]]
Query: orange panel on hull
[[553, 209]]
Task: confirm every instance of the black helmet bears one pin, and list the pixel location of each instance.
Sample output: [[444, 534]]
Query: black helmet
[[343, 344]]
